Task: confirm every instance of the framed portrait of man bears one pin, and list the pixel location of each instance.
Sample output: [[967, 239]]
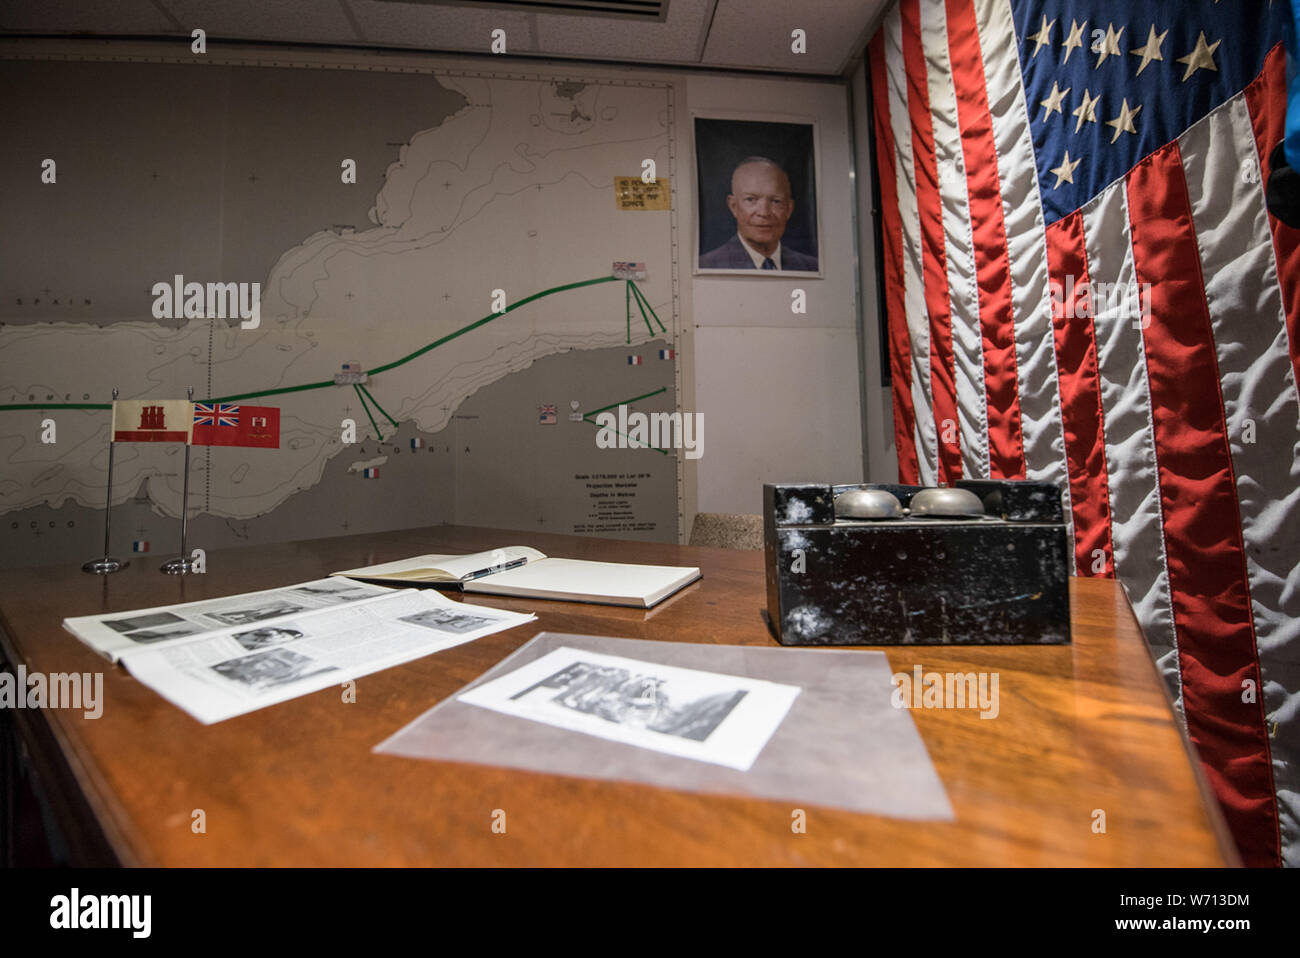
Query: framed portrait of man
[[756, 203]]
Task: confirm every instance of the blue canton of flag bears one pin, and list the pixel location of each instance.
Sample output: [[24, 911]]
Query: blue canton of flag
[[1108, 84], [216, 414]]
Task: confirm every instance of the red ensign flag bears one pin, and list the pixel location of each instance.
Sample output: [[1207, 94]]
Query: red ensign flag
[[230, 424]]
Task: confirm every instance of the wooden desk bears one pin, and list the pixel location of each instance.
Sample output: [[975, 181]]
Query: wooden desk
[[1081, 727]]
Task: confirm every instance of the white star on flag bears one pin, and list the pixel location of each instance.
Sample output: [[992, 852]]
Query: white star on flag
[[1053, 102], [1065, 172], [1110, 44], [1044, 36], [1087, 110], [1201, 58], [1152, 49], [1075, 40], [1124, 122]]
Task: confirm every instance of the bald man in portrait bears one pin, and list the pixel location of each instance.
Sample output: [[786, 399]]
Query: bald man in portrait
[[760, 201]]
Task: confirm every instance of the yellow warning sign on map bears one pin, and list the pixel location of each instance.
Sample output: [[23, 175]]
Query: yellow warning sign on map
[[632, 193]]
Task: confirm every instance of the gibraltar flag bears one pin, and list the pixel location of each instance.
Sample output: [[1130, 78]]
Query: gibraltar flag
[[230, 424], [152, 420]]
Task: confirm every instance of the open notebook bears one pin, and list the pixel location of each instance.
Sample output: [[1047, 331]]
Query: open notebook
[[519, 570]]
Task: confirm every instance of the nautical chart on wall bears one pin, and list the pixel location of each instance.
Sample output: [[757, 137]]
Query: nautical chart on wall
[[440, 258]]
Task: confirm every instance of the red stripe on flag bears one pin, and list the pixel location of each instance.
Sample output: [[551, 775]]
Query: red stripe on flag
[[149, 435], [934, 260], [1080, 386], [992, 261], [891, 226], [1266, 100], [1202, 519]]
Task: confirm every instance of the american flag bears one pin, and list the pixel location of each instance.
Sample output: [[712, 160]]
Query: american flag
[[1083, 284], [216, 414]]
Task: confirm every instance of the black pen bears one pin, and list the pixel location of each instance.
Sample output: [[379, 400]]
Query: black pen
[[492, 570]]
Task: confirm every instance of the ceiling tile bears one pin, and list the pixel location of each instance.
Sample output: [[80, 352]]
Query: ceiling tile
[[431, 27], [756, 33], [90, 16], [676, 40], [284, 20]]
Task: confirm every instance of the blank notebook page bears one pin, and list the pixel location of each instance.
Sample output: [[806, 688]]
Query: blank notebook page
[[580, 577]]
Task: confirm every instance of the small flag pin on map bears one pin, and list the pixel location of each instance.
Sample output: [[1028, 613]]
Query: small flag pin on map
[[351, 374]]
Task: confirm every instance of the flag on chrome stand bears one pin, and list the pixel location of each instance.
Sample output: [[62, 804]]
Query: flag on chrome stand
[[230, 424], [152, 420]]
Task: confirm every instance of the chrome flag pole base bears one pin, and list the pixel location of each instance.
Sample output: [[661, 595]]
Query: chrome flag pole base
[[105, 565], [178, 566]]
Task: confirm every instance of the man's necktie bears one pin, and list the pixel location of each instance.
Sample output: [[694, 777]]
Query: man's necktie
[[768, 264]]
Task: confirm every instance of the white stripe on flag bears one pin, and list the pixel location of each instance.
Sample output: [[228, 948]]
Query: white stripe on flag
[[963, 293], [1137, 528], [918, 319], [1262, 414], [1022, 208]]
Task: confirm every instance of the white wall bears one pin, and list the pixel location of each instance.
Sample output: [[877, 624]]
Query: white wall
[[780, 393]]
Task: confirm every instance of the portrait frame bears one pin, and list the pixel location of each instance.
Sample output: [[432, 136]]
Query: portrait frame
[[723, 140]]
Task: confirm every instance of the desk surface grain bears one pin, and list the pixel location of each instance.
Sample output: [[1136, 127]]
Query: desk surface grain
[[1082, 729]]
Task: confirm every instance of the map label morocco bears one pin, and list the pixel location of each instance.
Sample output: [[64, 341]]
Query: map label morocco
[[152, 420]]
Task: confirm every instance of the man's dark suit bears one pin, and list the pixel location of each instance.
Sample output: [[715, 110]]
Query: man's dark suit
[[733, 255]]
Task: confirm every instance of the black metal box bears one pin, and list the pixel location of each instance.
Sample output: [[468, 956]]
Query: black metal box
[[997, 579]]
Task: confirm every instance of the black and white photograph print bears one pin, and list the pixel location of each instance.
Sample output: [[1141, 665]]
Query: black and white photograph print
[[640, 701], [148, 620], [450, 621], [265, 670], [266, 637], [258, 613], [162, 632], [757, 197], [334, 593], [690, 713]]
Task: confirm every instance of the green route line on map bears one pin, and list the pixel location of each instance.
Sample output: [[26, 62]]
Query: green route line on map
[[587, 417], [281, 390], [624, 402], [645, 304], [357, 389], [627, 302], [487, 319], [637, 296], [379, 407]]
